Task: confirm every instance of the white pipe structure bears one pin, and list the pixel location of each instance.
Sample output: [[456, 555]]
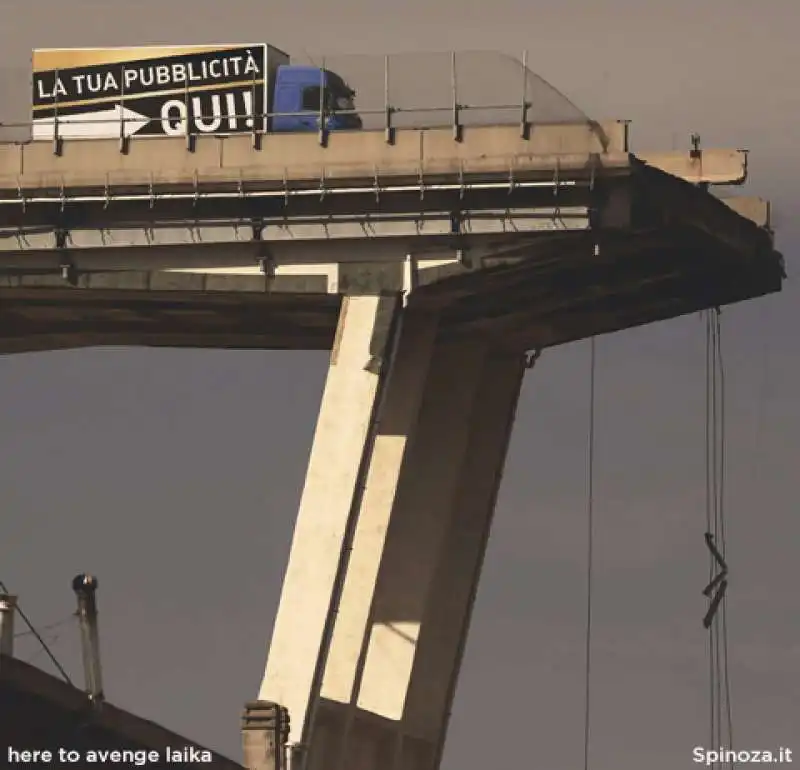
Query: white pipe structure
[[8, 607], [233, 195]]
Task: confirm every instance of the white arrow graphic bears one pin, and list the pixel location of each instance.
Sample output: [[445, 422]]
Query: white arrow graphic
[[104, 124]]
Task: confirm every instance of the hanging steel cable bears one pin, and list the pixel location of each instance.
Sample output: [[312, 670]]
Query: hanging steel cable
[[590, 555], [715, 619]]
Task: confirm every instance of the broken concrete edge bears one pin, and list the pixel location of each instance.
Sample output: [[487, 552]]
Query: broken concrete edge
[[18, 676], [674, 201], [712, 166]]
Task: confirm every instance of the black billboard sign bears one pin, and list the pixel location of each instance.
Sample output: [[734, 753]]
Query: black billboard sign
[[101, 93]]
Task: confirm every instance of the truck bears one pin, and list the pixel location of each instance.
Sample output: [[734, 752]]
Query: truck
[[96, 93]]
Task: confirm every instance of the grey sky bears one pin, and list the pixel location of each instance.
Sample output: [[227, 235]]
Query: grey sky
[[130, 462]]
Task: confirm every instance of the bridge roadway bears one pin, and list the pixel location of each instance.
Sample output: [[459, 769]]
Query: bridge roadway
[[429, 266]]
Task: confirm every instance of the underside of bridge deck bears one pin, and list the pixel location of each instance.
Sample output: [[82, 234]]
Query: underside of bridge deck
[[568, 287], [580, 294]]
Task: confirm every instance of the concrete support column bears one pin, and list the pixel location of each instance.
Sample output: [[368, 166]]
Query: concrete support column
[[394, 428], [389, 544], [339, 453], [448, 610], [348, 497], [431, 562]]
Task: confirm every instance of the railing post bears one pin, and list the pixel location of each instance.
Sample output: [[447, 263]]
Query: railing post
[[190, 143], [323, 129], [457, 133], [258, 137], [57, 143], [389, 129], [525, 127], [123, 140]]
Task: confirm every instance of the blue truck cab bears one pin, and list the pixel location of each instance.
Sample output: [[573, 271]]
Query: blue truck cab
[[303, 91]]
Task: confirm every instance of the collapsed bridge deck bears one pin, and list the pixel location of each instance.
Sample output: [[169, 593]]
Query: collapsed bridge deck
[[605, 240]]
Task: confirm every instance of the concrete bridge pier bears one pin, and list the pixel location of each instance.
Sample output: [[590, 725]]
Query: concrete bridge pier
[[389, 540]]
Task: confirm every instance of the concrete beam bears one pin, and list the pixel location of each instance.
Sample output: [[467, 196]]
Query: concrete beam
[[188, 256], [371, 236], [361, 155], [339, 265], [714, 167], [246, 341], [121, 282]]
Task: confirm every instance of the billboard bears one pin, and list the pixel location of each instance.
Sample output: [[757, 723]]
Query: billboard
[[103, 93]]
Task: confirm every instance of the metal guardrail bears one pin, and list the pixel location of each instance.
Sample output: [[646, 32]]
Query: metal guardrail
[[391, 92]]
